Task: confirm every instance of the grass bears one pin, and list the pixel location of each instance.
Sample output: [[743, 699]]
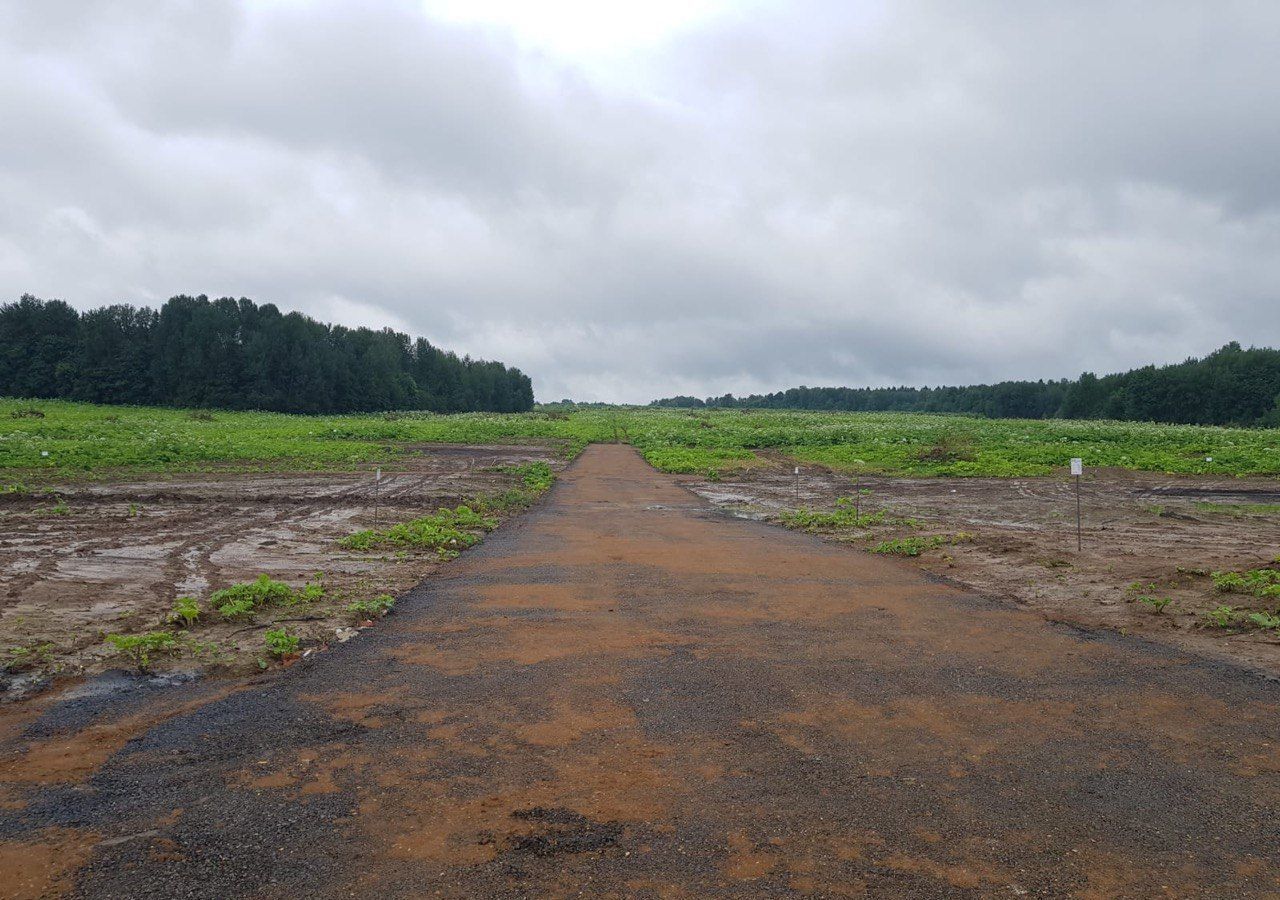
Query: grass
[[1240, 510], [85, 440]]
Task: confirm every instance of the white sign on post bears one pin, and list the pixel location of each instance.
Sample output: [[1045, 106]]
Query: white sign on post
[[1077, 466], [377, 475]]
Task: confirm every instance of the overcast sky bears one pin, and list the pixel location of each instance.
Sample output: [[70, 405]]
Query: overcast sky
[[676, 196]]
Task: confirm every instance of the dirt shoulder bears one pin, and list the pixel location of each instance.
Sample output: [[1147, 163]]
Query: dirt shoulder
[[1144, 535], [90, 559]]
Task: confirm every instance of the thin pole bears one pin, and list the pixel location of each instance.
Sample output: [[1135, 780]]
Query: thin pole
[[377, 477], [1079, 539]]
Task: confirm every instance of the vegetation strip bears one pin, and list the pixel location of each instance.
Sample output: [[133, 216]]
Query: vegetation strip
[[87, 441]]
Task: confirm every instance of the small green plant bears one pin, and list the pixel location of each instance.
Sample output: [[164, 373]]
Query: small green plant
[[133, 510], [312, 591], [1156, 603], [19, 659], [185, 610], [907, 546], [449, 530], [845, 515], [1221, 617], [368, 609], [240, 600], [139, 648], [280, 642], [1265, 620], [1258, 582], [241, 608]]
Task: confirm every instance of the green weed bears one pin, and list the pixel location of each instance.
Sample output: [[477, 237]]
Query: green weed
[[186, 610], [240, 600], [19, 659], [1265, 620], [369, 609], [139, 648], [449, 530], [1221, 617], [1258, 582], [913, 545], [1156, 603], [280, 642]]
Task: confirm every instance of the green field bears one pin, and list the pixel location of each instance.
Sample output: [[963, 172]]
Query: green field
[[42, 440]]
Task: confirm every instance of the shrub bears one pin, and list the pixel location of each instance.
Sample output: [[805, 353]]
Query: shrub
[[280, 642], [138, 648]]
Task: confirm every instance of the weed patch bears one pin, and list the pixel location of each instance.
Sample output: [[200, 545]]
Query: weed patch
[[139, 648], [1257, 582]]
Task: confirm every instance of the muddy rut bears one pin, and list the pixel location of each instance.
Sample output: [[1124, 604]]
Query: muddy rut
[[628, 694]]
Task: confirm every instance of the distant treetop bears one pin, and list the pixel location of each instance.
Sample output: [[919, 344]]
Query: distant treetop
[[234, 354], [1231, 386]]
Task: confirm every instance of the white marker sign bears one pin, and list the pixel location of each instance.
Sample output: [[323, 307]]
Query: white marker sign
[[797, 470], [377, 475], [1077, 466]]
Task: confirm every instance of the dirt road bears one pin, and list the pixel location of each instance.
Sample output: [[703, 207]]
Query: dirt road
[[629, 694]]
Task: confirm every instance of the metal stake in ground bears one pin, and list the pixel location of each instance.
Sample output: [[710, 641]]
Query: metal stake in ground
[[1077, 469], [377, 477], [797, 474]]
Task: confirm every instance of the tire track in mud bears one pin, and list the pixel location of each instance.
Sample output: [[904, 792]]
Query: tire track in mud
[[628, 694]]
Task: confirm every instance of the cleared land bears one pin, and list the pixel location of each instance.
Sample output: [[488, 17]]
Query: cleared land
[[112, 556], [111, 514], [626, 693], [1148, 539]]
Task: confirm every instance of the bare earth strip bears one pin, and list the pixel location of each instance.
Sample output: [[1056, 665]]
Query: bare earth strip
[[626, 693]]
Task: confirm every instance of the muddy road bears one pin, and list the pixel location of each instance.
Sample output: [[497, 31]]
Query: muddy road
[[627, 693]]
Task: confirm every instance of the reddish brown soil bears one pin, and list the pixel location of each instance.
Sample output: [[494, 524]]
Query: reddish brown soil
[[125, 550], [1018, 541], [628, 694]]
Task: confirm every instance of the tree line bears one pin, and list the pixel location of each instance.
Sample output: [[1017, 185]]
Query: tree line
[[235, 354], [1230, 386]]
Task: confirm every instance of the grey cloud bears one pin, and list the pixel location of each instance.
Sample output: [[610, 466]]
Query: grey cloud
[[815, 191]]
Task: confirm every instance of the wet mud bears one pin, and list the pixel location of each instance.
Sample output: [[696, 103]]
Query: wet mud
[[114, 556]]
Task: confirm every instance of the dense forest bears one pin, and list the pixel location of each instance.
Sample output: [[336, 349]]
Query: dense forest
[[234, 354], [1228, 387]]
